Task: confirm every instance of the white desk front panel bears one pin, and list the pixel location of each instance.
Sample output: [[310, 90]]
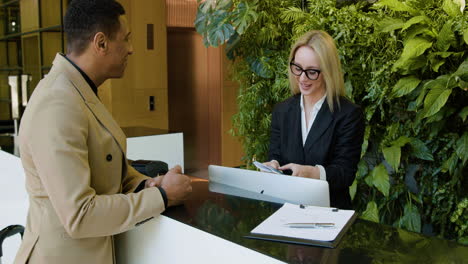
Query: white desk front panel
[[164, 240], [13, 201]]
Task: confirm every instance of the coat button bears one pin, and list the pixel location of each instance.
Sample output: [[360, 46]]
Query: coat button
[[109, 157]]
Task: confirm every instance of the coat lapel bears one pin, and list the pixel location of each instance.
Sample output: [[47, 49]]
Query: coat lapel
[[322, 122], [91, 100], [296, 129]]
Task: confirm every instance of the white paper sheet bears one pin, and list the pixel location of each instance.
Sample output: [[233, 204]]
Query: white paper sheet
[[290, 213]]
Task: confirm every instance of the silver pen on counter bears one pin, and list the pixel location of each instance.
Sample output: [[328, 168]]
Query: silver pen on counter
[[310, 225]]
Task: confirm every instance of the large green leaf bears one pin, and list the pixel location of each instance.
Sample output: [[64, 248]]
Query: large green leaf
[[435, 100], [446, 37], [439, 115], [219, 35], [412, 49], [450, 164], [420, 99], [436, 63], [352, 189], [201, 22], [362, 169], [411, 218], [214, 26], [259, 65], [371, 213], [415, 20], [463, 113], [438, 59], [395, 5], [440, 90], [244, 16], [418, 30], [462, 147], [209, 5], [415, 47], [392, 155], [420, 150], [445, 54], [380, 179], [465, 35], [462, 71], [389, 24], [452, 8], [405, 85], [401, 141], [369, 180], [206, 6]]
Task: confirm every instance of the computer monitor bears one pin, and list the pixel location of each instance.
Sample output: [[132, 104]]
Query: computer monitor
[[268, 186]]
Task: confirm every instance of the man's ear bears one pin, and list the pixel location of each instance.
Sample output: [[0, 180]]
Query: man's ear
[[100, 43]]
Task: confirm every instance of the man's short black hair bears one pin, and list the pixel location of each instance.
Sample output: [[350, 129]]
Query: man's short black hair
[[84, 18]]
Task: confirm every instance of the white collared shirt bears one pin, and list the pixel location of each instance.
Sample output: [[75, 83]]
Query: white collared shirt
[[306, 127]]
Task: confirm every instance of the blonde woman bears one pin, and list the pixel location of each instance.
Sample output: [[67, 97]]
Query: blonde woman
[[317, 133]]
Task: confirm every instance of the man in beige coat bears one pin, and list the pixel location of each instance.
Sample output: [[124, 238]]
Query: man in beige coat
[[81, 189]]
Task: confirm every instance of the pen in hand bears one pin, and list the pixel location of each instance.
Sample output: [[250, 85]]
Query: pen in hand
[[310, 225]]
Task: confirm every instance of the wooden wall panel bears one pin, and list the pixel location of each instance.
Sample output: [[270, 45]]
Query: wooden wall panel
[[3, 53], [232, 151], [31, 60], [29, 15], [214, 75], [189, 97], [51, 44], [146, 73], [50, 13], [4, 88], [5, 110], [181, 13], [2, 29], [202, 100], [13, 58]]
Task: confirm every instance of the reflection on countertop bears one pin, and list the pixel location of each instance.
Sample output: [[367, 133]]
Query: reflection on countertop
[[232, 217]]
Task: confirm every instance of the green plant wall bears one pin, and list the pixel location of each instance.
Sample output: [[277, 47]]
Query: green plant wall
[[405, 63]]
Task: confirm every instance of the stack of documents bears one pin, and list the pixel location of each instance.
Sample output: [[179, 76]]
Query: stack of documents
[[311, 225]]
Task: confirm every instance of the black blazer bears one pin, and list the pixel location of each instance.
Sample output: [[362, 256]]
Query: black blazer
[[334, 141]]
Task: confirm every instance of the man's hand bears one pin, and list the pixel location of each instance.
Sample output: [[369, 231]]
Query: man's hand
[[176, 185], [153, 182], [302, 170]]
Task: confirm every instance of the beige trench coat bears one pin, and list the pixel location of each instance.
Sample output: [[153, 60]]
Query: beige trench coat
[[80, 187]]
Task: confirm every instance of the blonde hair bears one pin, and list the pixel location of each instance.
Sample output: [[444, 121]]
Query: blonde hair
[[330, 66]]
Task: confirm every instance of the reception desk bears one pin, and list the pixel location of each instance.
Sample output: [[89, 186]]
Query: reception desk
[[229, 218], [210, 227]]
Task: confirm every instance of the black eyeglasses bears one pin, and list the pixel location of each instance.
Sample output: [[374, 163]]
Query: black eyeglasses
[[312, 74]]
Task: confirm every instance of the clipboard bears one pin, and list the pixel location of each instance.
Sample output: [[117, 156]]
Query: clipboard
[[292, 238]]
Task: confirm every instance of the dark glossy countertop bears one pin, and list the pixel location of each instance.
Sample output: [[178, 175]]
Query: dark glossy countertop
[[233, 217]]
